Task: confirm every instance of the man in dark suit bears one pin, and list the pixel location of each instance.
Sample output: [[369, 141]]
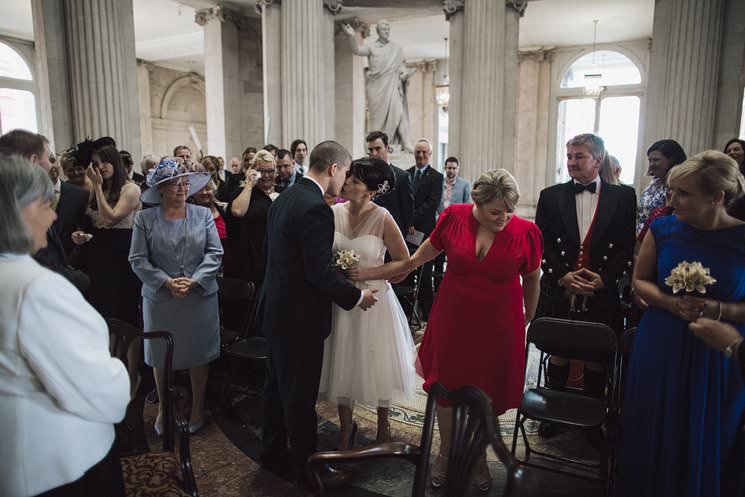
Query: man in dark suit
[[399, 200], [71, 203], [296, 302], [588, 233], [427, 185]]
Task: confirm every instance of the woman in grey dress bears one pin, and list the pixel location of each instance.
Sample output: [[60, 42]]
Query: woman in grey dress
[[176, 252]]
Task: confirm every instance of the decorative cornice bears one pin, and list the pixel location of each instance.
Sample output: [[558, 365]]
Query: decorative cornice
[[334, 6], [518, 5], [451, 7], [358, 25], [261, 4], [222, 14], [538, 55]]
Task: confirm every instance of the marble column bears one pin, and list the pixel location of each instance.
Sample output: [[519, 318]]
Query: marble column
[[483, 91], [349, 81], [532, 117], [55, 106], [271, 43], [684, 66], [731, 75], [146, 114], [222, 80], [307, 71], [101, 58]]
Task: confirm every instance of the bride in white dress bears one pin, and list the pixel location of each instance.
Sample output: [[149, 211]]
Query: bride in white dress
[[369, 356]]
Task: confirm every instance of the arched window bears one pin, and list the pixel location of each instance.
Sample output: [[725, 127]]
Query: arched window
[[601, 93], [17, 99]]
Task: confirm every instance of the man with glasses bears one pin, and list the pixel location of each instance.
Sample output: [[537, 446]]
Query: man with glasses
[[588, 235]]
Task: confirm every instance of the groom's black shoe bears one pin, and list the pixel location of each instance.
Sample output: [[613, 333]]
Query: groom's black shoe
[[330, 476]]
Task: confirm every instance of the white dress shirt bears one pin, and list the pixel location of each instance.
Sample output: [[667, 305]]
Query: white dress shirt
[[587, 203], [60, 390]]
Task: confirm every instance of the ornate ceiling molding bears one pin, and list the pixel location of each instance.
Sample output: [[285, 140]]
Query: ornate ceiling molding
[[358, 25], [222, 14], [518, 5], [334, 6], [451, 7]]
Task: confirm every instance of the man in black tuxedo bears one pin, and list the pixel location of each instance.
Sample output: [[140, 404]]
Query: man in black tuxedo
[[300, 286], [71, 204], [427, 183], [588, 234], [399, 200]]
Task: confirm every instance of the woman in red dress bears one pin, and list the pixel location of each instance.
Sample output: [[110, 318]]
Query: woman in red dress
[[476, 332]]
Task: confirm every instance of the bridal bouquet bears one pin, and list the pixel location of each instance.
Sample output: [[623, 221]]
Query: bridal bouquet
[[689, 276], [345, 258]]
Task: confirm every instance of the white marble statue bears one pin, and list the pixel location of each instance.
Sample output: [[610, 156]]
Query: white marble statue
[[386, 84]]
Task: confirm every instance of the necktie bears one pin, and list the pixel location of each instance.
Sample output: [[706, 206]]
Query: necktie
[[417, 175], [579, 187]]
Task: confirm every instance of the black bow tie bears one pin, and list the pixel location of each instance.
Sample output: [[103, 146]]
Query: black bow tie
[[579, 187]]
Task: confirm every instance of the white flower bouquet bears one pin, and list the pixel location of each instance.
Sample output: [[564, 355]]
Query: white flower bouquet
[[345, 259], [689, 276]]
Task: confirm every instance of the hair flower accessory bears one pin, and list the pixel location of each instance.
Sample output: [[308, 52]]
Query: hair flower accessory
[[345, 259], [689, 276], [383, 188]]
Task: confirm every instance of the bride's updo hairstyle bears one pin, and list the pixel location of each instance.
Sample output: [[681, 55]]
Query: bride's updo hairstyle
[[376, 174], [496, 184], [713, 172]]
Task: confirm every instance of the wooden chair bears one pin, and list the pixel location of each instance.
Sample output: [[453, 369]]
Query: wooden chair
[[574, 340], [474, 428], [243, 346], [157, 473]]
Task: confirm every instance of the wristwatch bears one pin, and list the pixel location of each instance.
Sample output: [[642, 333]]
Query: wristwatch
[[730, 349]]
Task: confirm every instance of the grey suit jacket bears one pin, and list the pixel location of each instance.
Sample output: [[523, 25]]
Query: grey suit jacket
[[460, 194], [154, 259]]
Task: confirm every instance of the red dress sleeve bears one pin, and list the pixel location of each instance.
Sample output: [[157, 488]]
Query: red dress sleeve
[[533, 249], [438, 237]]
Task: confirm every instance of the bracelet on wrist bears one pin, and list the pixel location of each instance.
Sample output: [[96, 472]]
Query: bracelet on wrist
[[730, 349]]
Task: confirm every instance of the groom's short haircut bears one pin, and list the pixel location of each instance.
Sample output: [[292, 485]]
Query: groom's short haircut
[[326, 153]]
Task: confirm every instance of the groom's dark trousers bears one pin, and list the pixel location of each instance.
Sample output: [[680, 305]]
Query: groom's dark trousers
[[299, 288]]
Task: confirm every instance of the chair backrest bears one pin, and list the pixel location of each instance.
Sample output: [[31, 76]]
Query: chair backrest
[[124, 335], [475, 427], [627, 341], [580, 340], [238, 304]]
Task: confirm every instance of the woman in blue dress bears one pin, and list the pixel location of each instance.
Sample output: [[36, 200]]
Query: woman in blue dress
[[176, 253], [685, 401]]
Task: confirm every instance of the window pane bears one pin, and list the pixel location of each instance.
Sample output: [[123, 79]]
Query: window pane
[[619, 127], [602, 68], [17, 110], [12, 65], [576, 116]]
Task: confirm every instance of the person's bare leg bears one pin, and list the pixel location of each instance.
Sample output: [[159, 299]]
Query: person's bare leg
[[384, 427], [160, 387], [345, 426], [445, 423], [198, 377], [134, 360]]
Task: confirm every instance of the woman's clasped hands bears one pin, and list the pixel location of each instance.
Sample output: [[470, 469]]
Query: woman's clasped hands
[[180, 286], [691, 308]]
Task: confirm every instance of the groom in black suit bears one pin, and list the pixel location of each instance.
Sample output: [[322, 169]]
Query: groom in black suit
[[300, 286], [588, 234]]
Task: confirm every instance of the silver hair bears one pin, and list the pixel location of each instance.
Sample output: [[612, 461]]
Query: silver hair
[[425, 140], [21, 183]]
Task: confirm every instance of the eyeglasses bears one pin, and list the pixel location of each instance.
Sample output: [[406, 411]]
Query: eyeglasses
[[179, 183], [267, 171]]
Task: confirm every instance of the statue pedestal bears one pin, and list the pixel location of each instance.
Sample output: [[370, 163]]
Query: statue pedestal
[[402, 159]]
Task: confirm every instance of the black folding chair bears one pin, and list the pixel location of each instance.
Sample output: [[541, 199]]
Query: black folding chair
[[579, 340], [408, 293], [244, 345], [235, 298]]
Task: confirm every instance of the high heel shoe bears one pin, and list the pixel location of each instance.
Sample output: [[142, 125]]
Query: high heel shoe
[[438, 475], [481, 477], [158, 427], [350, 440]]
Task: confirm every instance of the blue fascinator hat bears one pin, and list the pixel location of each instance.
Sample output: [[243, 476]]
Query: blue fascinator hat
[[170, 170]]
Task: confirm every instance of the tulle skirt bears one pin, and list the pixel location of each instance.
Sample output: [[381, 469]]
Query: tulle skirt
[[369, 356]]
